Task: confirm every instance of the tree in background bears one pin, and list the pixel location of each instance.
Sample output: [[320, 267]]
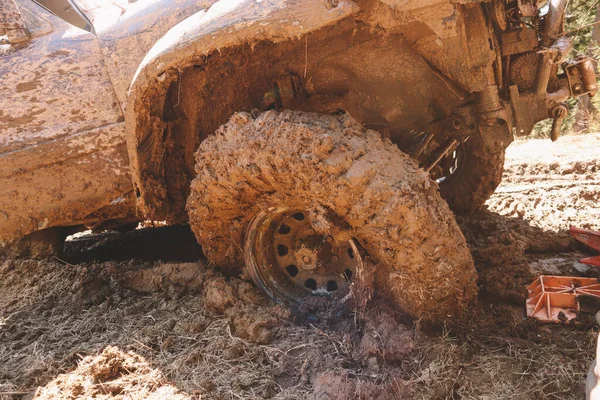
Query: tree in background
[[583, 18], [580, 23]]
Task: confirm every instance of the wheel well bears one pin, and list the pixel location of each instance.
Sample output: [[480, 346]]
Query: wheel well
[[379, 78]]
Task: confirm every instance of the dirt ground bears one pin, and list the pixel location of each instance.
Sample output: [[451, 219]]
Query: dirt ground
[[149, 320]]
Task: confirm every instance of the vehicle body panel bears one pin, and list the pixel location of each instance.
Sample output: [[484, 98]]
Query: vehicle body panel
[[63, 157], [57, 85], [62, 144], [126, 33], [64, 181]]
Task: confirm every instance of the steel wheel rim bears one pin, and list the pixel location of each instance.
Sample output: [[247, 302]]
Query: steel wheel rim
[[289, 261]]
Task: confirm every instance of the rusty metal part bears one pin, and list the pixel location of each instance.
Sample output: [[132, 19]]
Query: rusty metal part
[[513, 14], [495, 125], [306, 258], [528, 8], [556, 48], [553, 22], [288, 260], [499, 14], [427, 137], [449, 165], [550, 57], [590, 238], [489, 106], [558, 114], [523, 70], [518, 41], [545, 99], [428, 149], [441, 152], [463, 122], [581, 76], [554, 298]]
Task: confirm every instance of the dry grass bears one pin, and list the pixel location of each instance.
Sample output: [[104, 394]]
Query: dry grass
[[61, 325], [50, 325], [498, 367]]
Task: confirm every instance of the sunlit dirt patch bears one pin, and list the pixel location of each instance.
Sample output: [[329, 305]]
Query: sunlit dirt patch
[[112, 373]]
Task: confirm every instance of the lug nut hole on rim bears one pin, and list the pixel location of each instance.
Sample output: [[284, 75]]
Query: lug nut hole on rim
[[290, 260], [298, 216], [311, 284], [282, 250], [292, 270], [350, 253]]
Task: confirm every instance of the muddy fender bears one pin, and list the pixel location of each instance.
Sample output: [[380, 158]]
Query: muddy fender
[[226, 24]]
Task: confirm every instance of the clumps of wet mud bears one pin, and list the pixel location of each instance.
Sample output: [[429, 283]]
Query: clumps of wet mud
[[183, 329], [363, 361], [114, 329], [190, 331], [503, 249], [248, 311]]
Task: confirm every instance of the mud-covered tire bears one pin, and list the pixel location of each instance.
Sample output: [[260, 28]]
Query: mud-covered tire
[[476, 179], [330, 166]]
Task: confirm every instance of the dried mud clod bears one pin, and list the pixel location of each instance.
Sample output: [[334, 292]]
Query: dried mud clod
[[329, 165], [111, 374], [502, 248]]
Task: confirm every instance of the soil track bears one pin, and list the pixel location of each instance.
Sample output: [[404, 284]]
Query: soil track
[[142, 328], [553, 185]]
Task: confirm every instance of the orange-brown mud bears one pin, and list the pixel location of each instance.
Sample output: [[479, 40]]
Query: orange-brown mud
[[141, 325], [332, 168]]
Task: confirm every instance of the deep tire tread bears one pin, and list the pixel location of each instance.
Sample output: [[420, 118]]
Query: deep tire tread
[[329, 164]]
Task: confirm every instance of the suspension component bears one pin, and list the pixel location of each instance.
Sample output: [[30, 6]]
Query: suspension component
[[422, 146], [558, 113], [581, 76], [447, 147]]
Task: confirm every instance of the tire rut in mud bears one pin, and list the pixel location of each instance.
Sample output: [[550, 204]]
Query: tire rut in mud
[[329, 165]]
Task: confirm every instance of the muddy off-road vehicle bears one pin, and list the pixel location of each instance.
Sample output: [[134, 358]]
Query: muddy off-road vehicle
[[312, 142]]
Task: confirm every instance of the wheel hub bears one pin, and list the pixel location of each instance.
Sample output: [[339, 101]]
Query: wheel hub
[[287, 259], [306, 258]]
